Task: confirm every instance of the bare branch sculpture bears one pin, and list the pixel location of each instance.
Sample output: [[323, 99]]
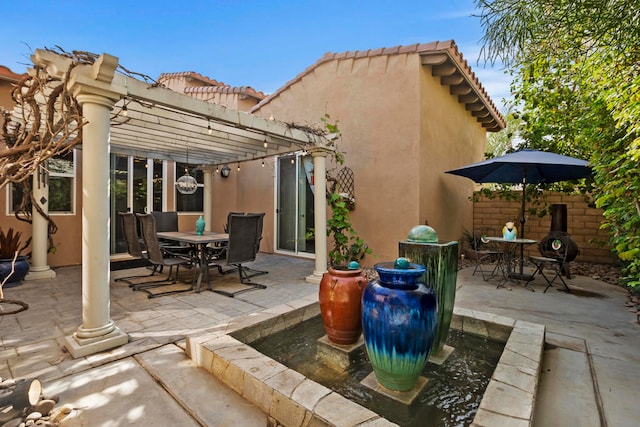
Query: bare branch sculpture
[[32, 134]]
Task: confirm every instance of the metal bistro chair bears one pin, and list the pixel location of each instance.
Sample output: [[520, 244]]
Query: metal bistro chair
[[159, 257], [553, 251], [487, 253], [245, 234]]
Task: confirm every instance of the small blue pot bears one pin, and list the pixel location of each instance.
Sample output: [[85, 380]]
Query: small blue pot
[[399, 318], [21, 269]]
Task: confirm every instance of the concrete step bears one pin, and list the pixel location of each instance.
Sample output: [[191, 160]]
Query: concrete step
[[205, 398], [566, 395]]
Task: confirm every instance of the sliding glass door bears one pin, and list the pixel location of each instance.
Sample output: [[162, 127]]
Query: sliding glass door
[[295, 205], [136, 186]]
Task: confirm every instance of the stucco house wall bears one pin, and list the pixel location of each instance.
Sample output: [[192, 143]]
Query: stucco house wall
[[67, 242], [450, 138], [401, 129]]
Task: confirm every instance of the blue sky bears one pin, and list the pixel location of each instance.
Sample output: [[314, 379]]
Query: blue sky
[[261, 44]]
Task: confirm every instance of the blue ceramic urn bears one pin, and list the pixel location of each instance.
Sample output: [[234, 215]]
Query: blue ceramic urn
[[399, 317]]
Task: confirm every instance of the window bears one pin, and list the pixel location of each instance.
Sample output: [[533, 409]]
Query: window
[[190, 202], [61, 186]]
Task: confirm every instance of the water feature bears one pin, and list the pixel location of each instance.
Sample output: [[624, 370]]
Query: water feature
[[291, 398], [451, 397]]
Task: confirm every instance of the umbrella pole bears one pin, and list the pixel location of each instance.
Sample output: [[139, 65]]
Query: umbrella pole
[[522, 221]]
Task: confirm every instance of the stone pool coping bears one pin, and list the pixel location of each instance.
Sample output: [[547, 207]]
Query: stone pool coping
[[294, 400]]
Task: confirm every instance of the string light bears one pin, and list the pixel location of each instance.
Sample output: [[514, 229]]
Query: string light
[[262, 162], [217, 169], [265, 142], [125, 111], [238, 167], [209, 127]]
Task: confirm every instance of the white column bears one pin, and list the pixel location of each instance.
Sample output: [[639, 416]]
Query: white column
[[207, 197], [320, 213], [39, 268], [97, 332]]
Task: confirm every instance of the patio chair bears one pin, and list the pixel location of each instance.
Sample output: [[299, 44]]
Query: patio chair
[[245, 233], [218, 251], [134, 247], [487, 253], [161, 257], [168, 221], [553, 256]]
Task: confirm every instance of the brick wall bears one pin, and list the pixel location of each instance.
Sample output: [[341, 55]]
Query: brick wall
[[583, 224]]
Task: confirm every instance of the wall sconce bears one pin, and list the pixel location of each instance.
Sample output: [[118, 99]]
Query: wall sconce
[[225, 171]]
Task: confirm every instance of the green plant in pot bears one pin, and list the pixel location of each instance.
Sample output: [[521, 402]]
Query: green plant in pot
[[347, 245], [13, 266]]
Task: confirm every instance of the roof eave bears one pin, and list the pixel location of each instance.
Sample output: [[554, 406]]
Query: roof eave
[[453, 71]]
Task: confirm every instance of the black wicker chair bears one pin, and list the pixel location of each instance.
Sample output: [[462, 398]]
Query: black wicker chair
[[245, 234], [160, 257], [134, 248]]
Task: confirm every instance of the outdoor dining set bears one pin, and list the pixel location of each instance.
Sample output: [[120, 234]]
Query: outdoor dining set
[[525, 167], [161, 245], [501, 258]]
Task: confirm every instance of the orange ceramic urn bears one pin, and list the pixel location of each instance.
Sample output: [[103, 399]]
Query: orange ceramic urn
[[340, 303]]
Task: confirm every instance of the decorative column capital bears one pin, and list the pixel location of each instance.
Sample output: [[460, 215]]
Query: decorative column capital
[[88, 82], [319, 151], [208, 169]]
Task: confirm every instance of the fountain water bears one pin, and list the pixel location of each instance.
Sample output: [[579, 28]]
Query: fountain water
[[450, 397], [292, 398]]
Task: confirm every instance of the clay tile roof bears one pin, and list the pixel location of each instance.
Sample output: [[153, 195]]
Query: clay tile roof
[[192, 75], [211, 85], [241, 90], [7, 75], [453, 56]]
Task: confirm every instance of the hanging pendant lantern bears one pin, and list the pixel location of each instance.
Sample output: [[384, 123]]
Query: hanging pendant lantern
[[186, 184]]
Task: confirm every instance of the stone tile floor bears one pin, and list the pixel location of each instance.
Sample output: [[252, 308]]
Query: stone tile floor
[[30, 341]]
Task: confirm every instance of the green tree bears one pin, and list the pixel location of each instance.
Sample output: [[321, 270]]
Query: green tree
[[576, 81], [508, 139]]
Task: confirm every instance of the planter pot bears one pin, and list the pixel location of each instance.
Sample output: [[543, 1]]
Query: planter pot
[[20, 270], [340, 294], [399, 316]]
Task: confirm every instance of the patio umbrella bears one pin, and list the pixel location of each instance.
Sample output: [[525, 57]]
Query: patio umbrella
[[525, 167]]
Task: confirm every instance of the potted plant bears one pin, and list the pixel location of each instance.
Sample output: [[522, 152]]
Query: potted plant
[[13, 266], [469, 243], [342, 285]]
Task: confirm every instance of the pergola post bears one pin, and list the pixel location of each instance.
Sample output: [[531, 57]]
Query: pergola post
[[319, 155], [97, 332], [207, 197], [39, 268]]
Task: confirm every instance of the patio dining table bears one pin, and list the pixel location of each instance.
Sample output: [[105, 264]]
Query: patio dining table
[[200, 241], [509, 255]]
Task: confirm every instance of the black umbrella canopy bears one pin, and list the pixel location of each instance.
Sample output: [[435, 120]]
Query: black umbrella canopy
[[526, 167]]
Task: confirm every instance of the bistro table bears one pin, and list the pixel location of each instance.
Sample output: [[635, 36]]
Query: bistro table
[[201, 241], [509, 255]]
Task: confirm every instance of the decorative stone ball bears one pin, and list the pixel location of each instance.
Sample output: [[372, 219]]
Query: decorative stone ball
[[401, 264], [422, 234], [353, 265]]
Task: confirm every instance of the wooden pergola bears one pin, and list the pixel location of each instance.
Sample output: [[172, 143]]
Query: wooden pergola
[[162, 124]]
